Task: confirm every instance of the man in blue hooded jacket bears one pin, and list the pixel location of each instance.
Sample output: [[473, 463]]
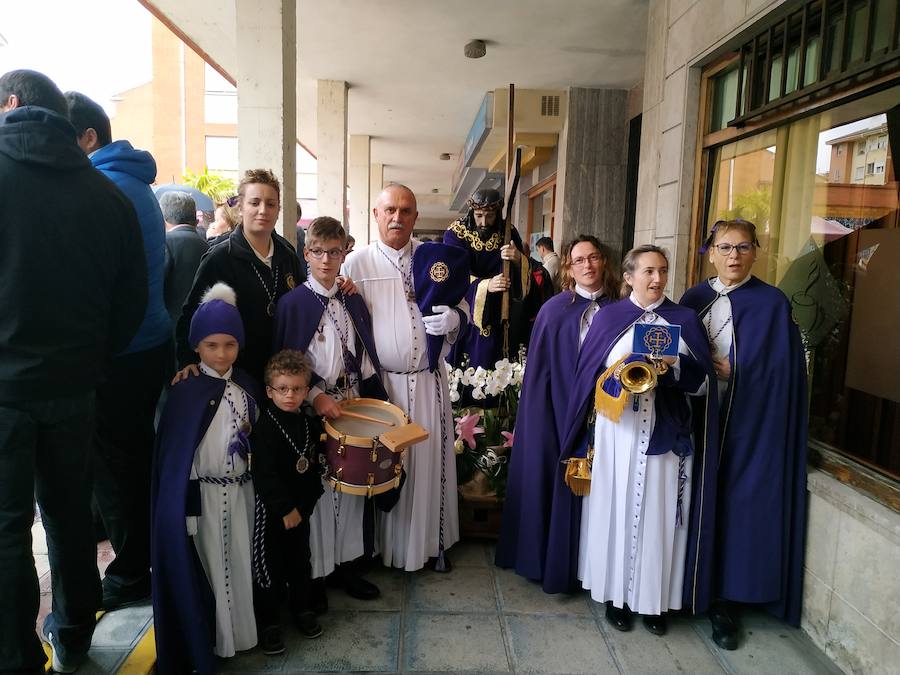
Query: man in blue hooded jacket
[[134, 378]]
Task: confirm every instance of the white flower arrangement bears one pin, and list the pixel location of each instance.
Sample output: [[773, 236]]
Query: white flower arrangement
[[487, 383]]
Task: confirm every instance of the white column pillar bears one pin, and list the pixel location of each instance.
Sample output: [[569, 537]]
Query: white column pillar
[[331, 149], [376, 185], [266, 75], [360, 197]]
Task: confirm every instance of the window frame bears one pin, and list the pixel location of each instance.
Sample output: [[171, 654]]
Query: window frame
[[876, 482]]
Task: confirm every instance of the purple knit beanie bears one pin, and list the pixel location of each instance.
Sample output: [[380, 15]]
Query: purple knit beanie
[[217, 313]]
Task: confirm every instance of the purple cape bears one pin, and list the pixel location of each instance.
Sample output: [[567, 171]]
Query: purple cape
[[297, 317], [183, 604], [532, 482], [761, 518], [609, 324], [435, 286]]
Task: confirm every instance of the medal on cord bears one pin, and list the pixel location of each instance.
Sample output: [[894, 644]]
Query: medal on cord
[[270, 306], [302, 465]]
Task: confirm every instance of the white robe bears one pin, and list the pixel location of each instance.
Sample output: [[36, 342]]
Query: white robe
[[630, 550], [409, 534], [225, 527], [336, 524]]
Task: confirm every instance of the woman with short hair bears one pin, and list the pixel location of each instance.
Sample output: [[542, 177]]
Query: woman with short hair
[[761, 384]]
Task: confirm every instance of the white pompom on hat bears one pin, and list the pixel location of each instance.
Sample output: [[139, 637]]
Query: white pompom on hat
[[217, 313]]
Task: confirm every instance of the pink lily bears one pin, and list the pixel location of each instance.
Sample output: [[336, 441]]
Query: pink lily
[[466, 429], [508, 443]]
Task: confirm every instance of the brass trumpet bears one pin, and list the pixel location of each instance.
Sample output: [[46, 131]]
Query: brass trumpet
[[638, 377]]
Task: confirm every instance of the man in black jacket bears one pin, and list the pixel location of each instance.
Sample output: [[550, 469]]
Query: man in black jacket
[[73, 288]]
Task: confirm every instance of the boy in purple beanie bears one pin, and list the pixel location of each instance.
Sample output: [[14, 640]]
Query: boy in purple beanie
[[203, 501]]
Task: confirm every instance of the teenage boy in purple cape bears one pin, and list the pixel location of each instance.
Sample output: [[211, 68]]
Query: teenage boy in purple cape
[[334, 330], [202, 501], [559, 330], [672, 432], [761, 376]]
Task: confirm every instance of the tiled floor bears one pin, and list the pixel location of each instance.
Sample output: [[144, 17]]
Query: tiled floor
[[480, 619]]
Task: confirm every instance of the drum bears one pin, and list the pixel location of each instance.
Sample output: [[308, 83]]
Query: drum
[[364, 446]]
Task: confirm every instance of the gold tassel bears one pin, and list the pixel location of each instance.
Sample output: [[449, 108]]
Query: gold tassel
[[610, 407], [578, 474]]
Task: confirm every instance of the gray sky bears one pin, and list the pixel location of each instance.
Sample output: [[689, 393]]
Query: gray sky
[[97, 47]]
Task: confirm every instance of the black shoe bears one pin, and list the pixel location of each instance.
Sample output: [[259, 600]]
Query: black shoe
[[118, 600], [724, 627], [359, 588], [621, 619], [318, 596], [307, 625], [440, 564], [270, 641], [656, 623]]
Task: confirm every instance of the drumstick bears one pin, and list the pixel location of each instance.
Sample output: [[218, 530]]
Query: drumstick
[[360, 416]]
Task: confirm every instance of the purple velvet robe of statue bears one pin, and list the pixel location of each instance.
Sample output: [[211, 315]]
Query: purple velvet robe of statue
[[761, 519], [533, 476], [671, 433], [297, 318], [183, 604], [483, 344]]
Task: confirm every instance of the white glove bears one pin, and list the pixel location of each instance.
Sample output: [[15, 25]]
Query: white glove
[[444, 321], [191, 523]]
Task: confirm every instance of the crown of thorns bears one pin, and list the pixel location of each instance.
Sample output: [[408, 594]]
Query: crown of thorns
[[472, 204]]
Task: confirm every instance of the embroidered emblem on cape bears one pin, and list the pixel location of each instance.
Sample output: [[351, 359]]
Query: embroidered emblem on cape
[[439, 272]]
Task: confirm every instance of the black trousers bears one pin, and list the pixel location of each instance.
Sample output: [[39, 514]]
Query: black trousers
[[123, 451], [45, 451], [287, 559]]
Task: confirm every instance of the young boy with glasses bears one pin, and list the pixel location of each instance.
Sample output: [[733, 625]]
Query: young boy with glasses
[[202, 500], [287, 477], [334, 330]]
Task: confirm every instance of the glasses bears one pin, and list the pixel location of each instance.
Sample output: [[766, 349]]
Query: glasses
[[743, 248], [284, 391], [593, 259], [333, 253]]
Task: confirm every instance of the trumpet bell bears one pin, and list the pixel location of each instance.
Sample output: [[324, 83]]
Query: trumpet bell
[[637, 377]]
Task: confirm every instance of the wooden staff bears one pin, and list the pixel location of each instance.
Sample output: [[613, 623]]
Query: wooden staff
[[513, 167]]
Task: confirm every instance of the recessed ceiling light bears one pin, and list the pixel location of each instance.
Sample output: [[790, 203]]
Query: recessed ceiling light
[[475, 49], [445, 156], [435, 190]]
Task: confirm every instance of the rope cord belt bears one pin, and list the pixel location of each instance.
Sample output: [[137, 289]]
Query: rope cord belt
[[405, 372], [227, 480]]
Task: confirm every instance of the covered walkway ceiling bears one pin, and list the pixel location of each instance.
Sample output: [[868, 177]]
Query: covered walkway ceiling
[[411, 88]]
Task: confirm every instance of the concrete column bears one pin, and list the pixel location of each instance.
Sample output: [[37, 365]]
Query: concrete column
[[376, 185], [591, 167], [360, 189], [266, 75], [331, 148]]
